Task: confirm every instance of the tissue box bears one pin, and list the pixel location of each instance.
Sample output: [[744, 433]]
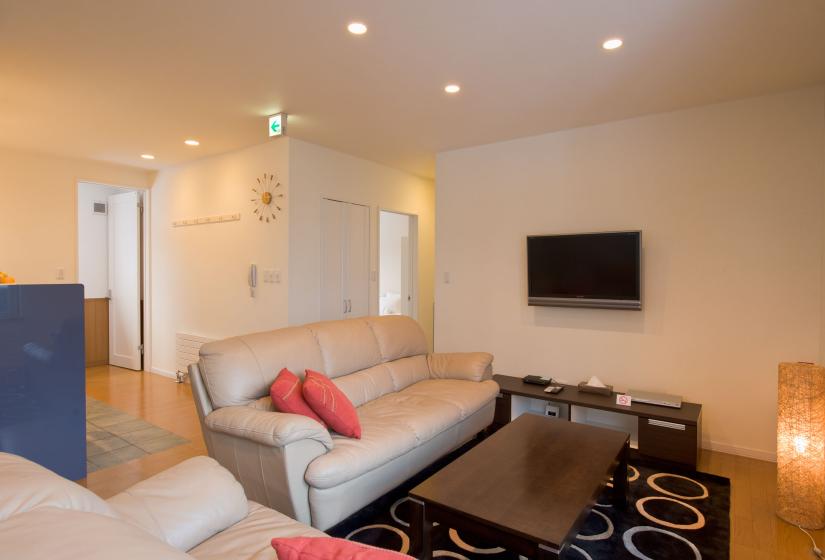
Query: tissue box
[[585, 388]]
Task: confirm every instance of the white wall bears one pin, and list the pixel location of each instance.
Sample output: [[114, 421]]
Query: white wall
[[392, 228], [317, 173], [199, 273], [730, 201], [93, 239], [38, 210]]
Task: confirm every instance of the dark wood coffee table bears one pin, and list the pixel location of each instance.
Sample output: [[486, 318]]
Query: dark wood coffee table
[[527, 488]]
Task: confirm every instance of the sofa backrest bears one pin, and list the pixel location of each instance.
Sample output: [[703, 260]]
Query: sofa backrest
[[27, 486], [240, 370]]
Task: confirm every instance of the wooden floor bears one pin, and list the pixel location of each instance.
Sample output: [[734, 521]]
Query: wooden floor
[[156, 399], [756, 532]]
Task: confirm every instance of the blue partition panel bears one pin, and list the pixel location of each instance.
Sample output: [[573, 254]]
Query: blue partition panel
[[43, 376]]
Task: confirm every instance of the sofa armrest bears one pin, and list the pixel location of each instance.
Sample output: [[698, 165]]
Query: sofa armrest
[[186, 504], [471, 366], [274, 429]]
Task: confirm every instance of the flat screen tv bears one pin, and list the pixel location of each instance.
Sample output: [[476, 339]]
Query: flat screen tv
[[600, 270]]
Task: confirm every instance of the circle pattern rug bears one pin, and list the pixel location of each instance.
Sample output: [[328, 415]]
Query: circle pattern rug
[[672, 513]]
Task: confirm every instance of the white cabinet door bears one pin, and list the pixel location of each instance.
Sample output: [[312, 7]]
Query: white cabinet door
[[357, 261], [333, 302], [124, 280], [345, 259]]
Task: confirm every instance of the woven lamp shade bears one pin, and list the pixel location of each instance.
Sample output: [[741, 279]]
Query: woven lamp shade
[[800, 449]]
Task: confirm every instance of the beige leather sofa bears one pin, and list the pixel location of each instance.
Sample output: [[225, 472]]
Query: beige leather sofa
[[193, 510], [414, 407]]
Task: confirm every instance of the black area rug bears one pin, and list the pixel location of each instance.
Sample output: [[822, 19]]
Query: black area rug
[[673, 514]]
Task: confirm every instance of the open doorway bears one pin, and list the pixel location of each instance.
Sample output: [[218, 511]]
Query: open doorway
[[110, 267], [398, 257]]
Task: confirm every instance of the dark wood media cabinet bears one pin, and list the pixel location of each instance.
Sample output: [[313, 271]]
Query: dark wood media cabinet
[[672, 434]]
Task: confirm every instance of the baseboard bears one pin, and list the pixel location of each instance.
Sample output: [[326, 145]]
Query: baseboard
[[741, 451], [164, 373]]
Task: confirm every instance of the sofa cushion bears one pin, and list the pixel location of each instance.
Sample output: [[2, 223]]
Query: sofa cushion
[[398, 336], [394, 424], [50, 533], [186, 504], [25, 485], [368, 384], [466, 396], [287, 396], [346, 346], [240, 370], [407, 371], [250, 538], [331, 404], [331, 548]]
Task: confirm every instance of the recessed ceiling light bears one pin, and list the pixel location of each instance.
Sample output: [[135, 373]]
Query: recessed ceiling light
[[612, 44], [191, 142], [357, 28], [147, 156], [452, 88]]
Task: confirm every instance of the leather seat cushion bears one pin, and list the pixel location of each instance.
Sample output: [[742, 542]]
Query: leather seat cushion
[[396, 423], [250, 538], [50, 533]]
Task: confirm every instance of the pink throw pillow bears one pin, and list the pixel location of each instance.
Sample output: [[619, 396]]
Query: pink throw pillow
[[331, 404], [323, 548], [287, 396]]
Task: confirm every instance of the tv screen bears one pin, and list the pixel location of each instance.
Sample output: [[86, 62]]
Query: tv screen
[[585, 270]]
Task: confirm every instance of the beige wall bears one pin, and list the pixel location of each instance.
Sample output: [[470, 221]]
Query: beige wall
[[38, 210], [199, 273], [730, 201], [318, 173]]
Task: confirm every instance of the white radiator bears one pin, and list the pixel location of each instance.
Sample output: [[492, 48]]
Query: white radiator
[[187, 347]]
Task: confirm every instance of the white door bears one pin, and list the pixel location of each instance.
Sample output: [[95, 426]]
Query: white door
[[357, 262], [345, 258], [124, 281], [333, 302]]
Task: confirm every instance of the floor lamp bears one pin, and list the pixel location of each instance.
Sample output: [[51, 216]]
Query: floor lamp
[[800, 449]]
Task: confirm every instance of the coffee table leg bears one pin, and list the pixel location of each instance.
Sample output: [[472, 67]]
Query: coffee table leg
[[420, 531], [620, 486]]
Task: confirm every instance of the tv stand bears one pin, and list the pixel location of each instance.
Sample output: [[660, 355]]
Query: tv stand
[[671, 434]]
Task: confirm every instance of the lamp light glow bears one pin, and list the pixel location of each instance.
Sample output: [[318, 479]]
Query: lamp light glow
[[800, 445]]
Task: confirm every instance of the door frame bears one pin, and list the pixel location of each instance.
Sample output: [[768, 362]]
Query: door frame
[[146, 264], [413, 259]]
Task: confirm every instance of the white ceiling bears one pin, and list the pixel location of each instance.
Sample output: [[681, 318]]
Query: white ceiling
[[111, 79]]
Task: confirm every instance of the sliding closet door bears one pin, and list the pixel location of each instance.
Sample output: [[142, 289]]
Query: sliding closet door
[[357, 261], [345, 259], [333, 304]]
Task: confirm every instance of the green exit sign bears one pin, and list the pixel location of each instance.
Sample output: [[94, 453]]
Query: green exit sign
[[277, 124]]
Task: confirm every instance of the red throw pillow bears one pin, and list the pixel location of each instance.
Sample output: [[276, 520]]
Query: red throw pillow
[[323, 548], [331, 404], [287, 396]]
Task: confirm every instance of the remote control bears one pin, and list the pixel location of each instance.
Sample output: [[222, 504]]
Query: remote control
[[555, 389], [537, 380]]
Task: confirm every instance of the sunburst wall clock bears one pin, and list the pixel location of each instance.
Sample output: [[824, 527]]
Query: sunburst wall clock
[[267, 198]]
